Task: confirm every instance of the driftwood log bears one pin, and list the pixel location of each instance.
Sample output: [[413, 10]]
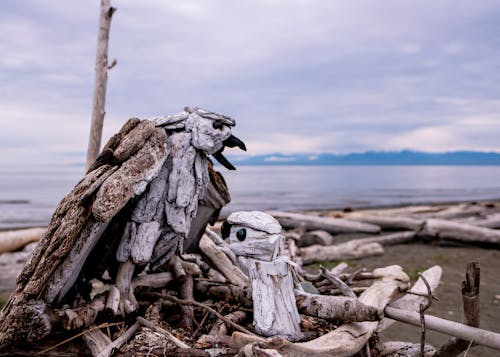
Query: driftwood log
[[329, 224], [349, 250], [11, 241]]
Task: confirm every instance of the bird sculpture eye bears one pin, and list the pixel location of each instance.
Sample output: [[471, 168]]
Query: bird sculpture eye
[[241, 234], [217, 124]]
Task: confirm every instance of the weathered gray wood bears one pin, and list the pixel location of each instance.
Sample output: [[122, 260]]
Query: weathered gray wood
[[412, 300], [116, 344], [113, 301], [144, 241], [448, 230], [164, 332], [158, 280], [471, 313], [151, 205], [329, 224], [134, 140], [13, 240], [480, 336], [348, 250], [96, 341], [128, 303], [220, 328], [101, 79], [488, 221], [404, 349], [123, 251], [66, 274], [275, 311], [390, 239], [221, 262]]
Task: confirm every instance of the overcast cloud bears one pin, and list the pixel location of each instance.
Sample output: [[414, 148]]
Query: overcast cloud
[[299, 76]]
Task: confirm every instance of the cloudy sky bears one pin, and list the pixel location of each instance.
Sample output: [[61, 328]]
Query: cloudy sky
[[299, 76]]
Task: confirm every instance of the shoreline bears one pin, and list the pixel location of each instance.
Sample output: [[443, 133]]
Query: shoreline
[[326, 210]]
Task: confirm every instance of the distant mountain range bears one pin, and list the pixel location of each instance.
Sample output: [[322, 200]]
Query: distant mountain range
[[405, 157]]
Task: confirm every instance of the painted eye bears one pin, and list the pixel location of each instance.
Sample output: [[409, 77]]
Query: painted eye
[[241, 234], [225, 229], [217, 124]]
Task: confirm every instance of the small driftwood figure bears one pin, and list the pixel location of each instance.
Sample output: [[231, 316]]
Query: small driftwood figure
[[257, 239], [150, 193]]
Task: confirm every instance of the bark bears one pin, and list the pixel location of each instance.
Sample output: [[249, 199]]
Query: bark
[[101, 79], [336, 308], [96, 341], [404, 349]]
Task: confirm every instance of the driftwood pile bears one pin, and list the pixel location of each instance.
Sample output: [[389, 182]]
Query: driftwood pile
[[459, 224], [202, 304]]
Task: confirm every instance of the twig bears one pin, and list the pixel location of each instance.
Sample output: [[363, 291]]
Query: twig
[[103, 325], [423, 307], [353, 276], [204, 306], [200, 325], [468, 348], [167, 334], [346, 290], [367, 347], [119, 341]]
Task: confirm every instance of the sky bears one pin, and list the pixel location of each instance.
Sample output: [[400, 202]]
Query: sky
[[299, 76]]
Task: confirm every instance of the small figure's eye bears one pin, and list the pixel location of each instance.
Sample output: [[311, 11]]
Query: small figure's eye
[[241, 234], [217, 124]]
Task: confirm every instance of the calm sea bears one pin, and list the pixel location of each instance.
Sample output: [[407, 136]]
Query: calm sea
[[28, 197]]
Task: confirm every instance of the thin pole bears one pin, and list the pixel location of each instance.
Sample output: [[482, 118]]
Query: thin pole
[[101, 79]]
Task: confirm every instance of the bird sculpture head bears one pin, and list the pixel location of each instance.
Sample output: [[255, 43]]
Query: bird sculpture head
[[254, 235], [210, 132]]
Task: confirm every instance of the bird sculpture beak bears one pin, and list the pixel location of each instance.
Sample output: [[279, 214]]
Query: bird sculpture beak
[[230, 142]]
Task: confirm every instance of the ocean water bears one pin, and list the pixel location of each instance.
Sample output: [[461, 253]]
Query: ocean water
[[28, 197]]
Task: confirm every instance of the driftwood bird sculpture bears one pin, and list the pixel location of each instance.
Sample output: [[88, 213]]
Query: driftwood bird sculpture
[[257, 239], [149, 194]]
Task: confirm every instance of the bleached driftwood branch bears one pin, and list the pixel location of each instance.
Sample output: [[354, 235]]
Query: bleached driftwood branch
[[329, 224], [348, 250], [448, 230], [13, 240]]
